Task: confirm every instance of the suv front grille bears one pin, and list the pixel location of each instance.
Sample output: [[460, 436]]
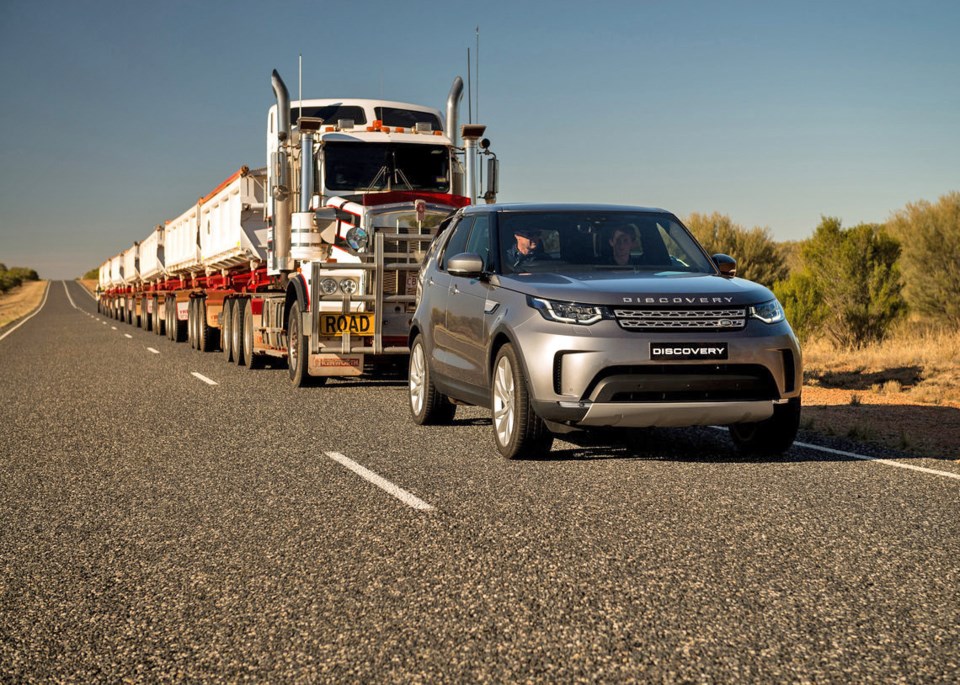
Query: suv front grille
[[681, 319]]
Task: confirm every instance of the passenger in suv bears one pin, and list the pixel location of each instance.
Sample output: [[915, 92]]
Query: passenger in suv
[[589, 336]]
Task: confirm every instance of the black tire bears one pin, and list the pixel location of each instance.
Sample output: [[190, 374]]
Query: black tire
[[298, 349], [517, 430], [226, 340], [191, 324], [208, 337], [179, 327], [428, 406], [254, 360], [773, 436], [236, 333]]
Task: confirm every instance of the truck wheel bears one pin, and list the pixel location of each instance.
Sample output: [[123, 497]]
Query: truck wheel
[[226, 339], [428, 406], [517, 429], [236, 333], [298, 347], [190, 324], [179, 328], [254, 361], [773, 436], [208, 338]]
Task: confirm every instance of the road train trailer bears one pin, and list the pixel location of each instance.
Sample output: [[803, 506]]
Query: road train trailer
[[312, 260]]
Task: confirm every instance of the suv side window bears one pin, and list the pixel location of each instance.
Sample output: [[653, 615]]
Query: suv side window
[[457, 242], [479, 241]]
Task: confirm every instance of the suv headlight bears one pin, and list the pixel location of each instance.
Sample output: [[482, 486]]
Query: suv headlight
[[566, 312], [768, 312]]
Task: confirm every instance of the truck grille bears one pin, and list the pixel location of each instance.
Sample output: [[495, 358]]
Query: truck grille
[[681, 319]]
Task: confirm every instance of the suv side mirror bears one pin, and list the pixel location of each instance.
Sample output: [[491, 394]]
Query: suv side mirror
[[465, 264], [726, 264]]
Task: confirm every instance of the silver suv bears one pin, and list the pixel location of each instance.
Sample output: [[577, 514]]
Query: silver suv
[[566, 317]]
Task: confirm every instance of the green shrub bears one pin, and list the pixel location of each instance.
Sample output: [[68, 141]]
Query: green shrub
[[930, 235], [848, 284], [759, 257]]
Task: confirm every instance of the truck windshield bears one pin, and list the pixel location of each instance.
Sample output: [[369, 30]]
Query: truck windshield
[[386, 166], [575, 241]]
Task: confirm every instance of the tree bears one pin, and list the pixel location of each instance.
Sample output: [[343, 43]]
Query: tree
[[758, 256], [930, 235], [854, 276]]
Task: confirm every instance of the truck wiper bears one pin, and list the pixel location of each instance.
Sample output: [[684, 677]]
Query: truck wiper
[[384, 170]]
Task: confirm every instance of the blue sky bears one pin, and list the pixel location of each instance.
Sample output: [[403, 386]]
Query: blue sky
[[116, 116]]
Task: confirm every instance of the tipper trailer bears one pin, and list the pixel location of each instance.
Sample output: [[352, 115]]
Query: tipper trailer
[[311, 260]]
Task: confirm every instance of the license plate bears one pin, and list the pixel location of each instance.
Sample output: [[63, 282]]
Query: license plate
[[688, 351], [339, 324]]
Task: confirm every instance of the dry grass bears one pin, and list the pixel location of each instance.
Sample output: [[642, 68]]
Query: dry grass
[[21, 301], [90, 284], [903, 393]]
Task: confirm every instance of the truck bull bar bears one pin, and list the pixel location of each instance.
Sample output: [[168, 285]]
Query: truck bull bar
[[395, 262]]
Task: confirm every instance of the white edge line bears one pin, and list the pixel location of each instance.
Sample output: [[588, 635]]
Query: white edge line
[[203, 378], [84, 289], [382, 483], [35, 312], [72, 303], [863, 457], [888, 462]]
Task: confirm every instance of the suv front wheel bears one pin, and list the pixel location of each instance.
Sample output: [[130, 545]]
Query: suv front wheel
[[773, 436], [517, 429]]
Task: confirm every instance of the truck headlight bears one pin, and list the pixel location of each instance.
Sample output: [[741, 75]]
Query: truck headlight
[[768, 312], [349, 286], [566, 312]]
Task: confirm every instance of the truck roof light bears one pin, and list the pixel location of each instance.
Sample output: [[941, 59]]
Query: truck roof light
[[330, 129], [385, 129]]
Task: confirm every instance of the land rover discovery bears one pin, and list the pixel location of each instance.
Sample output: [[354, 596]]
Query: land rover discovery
[[566, 317]]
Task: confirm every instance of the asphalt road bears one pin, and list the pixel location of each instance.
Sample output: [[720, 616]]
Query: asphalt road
[[157, 528]]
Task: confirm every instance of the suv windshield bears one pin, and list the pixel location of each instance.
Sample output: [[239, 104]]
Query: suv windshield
[[596, 241], [386, 166]]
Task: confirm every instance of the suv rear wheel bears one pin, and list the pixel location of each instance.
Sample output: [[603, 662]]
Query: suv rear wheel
[[517, 429], [773, 436]]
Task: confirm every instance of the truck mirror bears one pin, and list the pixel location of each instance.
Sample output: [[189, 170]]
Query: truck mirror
[[493, 180]]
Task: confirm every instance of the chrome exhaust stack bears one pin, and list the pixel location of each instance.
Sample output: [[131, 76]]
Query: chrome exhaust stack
[[282, 210], [453, 110]]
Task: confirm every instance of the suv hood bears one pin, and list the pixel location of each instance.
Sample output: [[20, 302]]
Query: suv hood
[[649, 289]]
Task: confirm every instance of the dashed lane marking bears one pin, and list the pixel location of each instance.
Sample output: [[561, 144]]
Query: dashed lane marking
[[153, 350], [127, 335], [382, 483], [203, 378]]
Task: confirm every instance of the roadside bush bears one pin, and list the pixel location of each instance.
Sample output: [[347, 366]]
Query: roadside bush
[[930, 235], [11, 278], [759, 257], [848, 284], [94, 274]]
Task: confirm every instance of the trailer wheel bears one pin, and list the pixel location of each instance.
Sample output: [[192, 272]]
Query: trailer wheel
[[179, 328], [252, 358], [208, 338], [236, 333], [226, 340], [190, 323], [159, 322], [297, 348]]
